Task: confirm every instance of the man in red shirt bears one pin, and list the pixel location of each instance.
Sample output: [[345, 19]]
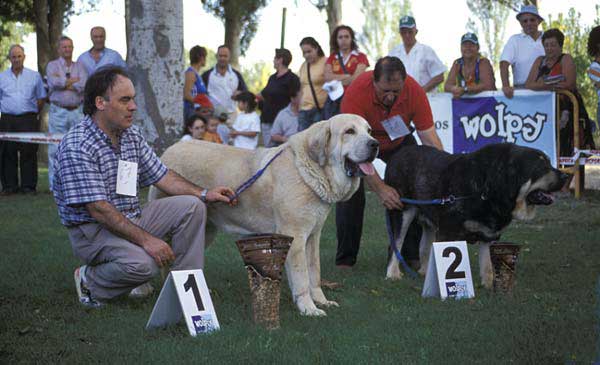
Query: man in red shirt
[[389, 100]]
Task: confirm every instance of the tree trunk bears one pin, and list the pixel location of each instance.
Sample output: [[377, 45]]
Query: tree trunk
[[42, 35], [155, 60], [48, 28], [334, 14], [233, 30]]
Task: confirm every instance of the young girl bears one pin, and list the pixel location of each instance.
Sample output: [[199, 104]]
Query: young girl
[[194, 128], [211, 134], [244, 131], [593, 48]]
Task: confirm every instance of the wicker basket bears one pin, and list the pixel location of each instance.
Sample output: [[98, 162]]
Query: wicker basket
[[264, 256], [266, 253], [504, 260]]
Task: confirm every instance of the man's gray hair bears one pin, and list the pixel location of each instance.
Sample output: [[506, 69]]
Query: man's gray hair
[[64, 38], [14, 46]]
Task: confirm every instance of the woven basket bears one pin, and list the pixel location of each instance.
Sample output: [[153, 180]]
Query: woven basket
[[504, 260], [266, 253], [265, 299], [264, 256]]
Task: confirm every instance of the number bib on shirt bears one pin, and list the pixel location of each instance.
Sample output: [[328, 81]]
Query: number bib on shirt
[[395, 127], [127, 178]]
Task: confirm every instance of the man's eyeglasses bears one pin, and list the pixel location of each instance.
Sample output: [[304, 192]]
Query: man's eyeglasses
[[528, 20]]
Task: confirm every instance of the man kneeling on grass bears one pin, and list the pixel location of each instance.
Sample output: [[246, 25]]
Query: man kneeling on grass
[[100, 164]]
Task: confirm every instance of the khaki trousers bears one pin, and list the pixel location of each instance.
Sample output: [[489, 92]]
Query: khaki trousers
[[115, 265]]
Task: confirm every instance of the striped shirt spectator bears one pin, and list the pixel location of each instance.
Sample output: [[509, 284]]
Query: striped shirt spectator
[[87, 171]]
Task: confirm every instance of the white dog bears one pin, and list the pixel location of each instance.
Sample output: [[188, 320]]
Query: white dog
[[318, 167]]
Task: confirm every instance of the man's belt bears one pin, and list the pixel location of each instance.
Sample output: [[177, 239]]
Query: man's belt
[[70, 108]]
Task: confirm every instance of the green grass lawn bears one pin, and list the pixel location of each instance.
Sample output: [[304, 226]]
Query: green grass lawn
[[551, 318]]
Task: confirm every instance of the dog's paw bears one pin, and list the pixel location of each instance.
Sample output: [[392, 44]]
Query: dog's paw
[[393, 273], [307, 307], [327, 304], [313, 312]]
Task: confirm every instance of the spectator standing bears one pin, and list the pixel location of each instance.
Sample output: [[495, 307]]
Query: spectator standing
[[345, 64], [99, 56], [275, 96], [22, 96], [312, 77], [66, 81], [246, 127], [593, 48], [383, 97], [193, 85], [420, 60], [223, 82], [286, 122], [521, 50], [119, 242], [472, 73]]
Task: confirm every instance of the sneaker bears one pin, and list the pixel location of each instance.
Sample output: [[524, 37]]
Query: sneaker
[[84, 294], [142, 291]]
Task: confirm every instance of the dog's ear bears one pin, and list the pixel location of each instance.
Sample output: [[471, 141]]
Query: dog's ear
[[318, 143]]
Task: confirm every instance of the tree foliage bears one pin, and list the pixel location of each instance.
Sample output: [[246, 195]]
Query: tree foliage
[[240, 18], [491, 16], [257, 75], [380, 30], [12, 33], [334, 11]]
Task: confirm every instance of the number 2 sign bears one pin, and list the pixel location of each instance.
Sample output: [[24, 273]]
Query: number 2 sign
[[449, 271], [185, 293]]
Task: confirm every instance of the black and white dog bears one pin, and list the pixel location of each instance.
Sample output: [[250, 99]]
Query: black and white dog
[[492, 185]]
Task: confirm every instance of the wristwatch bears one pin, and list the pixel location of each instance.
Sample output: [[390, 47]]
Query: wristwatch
[[203, 195], [466, 89]]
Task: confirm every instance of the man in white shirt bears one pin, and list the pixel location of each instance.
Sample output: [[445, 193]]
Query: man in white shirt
[[223, 82], [420, 60], [521, 50]]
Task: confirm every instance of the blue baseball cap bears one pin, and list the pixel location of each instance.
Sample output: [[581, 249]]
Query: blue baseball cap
[[469, 37]]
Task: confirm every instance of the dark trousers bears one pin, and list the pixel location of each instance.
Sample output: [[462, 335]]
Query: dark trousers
[[349, 220], [16, 154]]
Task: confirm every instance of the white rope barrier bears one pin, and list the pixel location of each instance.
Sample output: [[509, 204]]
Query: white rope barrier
[[32, 137]]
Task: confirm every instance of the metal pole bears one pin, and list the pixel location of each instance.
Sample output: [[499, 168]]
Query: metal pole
[[283, 27]]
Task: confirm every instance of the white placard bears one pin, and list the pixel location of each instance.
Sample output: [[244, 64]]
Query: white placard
[[127, 178], [395, 127], [185, 292], [449, 271]]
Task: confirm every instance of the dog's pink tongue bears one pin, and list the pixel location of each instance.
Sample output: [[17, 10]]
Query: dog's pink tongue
[[367, 168]]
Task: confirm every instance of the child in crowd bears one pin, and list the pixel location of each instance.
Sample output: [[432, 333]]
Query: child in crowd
[[211, 134], [194, 128], [593, 48], [223, 128], [246, 127]]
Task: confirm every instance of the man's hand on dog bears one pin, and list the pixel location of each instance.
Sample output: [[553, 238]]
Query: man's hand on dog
[[221, 194], [389, 197]]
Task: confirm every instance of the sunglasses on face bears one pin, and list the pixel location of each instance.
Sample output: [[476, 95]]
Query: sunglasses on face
[[528, 20]]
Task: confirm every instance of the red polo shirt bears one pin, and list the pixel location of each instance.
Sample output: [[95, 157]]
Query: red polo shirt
[[411, 105]]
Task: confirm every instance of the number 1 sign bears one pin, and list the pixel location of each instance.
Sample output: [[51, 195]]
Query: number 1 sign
[[185, 293], [449, 271]]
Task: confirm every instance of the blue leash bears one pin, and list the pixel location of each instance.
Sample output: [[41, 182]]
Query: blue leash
[[451, 199], [254, 177], [407, 268]]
